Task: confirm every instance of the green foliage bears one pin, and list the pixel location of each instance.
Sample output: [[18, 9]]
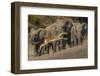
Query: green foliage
[[33, 19]]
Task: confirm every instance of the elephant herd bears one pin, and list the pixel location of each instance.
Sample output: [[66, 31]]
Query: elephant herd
[[72, 34]]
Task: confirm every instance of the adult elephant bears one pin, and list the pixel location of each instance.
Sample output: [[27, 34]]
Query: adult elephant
[[38, 40], [78, 32], [67, 29], [84, 31]]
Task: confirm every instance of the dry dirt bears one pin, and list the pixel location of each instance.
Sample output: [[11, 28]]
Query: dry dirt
[[80, 51]]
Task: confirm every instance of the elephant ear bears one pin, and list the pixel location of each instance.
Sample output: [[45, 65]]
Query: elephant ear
[[34, 38], [41, 33]]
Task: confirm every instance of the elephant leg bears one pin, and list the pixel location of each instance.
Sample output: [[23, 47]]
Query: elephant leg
[[41, 51], [79, 41], [43, 48], [47, 48], [54, 47], [50, 46], [58, 45], [63, 44], [37, 50], [75, 41], [72, 43]]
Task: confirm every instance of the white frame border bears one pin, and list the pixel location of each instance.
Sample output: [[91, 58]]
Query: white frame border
[[25, 64]]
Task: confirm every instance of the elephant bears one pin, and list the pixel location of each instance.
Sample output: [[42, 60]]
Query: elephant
[[77, 33], [67, 29], [84, 30], [35, 43], [37, 40], [73, 36]]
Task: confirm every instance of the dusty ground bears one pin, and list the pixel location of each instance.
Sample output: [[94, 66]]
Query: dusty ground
[[68, 53]]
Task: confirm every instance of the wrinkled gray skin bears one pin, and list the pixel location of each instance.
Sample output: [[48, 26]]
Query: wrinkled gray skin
[[38, 40], [51, 31], [75, 36], [84, 31], [67, 29], [77, 33], [54, 29]]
